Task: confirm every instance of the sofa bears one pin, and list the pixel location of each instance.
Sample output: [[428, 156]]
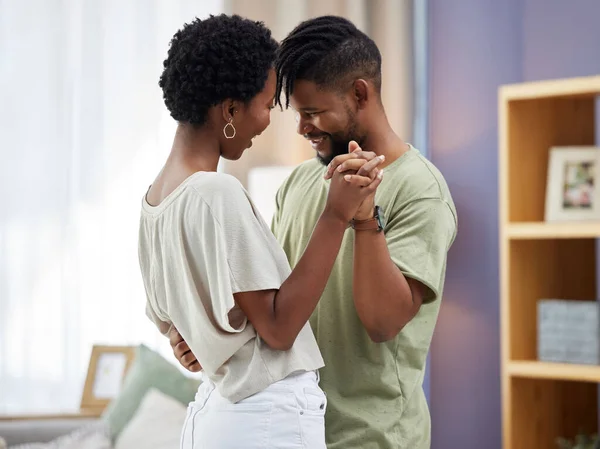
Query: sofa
[[148, 413], [43, 430]]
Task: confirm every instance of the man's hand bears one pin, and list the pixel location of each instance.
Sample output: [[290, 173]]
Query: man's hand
[[182, 351], [354, 162]]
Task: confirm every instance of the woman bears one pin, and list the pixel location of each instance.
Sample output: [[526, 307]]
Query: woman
[[211, 266]]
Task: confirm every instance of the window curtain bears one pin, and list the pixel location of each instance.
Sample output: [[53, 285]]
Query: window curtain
[[83, 132]]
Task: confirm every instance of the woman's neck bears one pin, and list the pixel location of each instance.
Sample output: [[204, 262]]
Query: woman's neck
[[195, 148]]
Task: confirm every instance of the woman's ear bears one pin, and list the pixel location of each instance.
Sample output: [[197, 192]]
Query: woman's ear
[[229, 108]]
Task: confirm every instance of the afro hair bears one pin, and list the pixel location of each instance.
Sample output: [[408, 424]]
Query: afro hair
[[212, 60]]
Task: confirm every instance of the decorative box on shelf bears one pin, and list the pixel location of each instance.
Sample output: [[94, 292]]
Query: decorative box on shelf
[[568, 331]]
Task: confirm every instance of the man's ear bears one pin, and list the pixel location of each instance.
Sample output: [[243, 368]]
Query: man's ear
[[361, 93]]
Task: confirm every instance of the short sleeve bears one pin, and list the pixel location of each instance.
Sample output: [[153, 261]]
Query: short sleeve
[[419, 236], [162, 326], [256, 260]]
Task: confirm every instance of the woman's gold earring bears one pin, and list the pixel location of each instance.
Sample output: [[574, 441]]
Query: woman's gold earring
[[230, 123]]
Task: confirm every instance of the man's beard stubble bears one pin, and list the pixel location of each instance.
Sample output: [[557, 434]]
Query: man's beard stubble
[[339, 144], [338, 147]]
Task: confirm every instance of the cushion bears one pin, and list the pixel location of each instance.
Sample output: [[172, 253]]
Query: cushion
[[157, 423], [95, 436], [148, 370]]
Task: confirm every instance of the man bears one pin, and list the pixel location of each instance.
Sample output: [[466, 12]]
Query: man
[[375, 320]]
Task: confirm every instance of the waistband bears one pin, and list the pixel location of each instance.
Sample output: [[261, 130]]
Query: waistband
[[293, 378], [300, 377]]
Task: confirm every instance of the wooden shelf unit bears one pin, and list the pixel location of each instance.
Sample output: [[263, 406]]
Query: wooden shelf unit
[[542, 401]]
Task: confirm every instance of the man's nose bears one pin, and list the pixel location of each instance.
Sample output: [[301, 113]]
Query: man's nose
[[304, 127]]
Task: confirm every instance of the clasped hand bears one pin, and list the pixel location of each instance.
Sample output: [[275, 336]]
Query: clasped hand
[[361, 174]]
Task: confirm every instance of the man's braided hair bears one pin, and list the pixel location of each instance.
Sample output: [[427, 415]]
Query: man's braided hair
[[329, 51]]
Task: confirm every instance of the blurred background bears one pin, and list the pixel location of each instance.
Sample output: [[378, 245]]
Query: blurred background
[[83, 132]]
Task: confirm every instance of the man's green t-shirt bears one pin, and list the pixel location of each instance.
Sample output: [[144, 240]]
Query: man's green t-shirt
[[374, 390]]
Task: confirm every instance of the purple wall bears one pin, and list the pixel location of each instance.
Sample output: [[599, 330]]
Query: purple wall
[[561, 39], [474, 46]]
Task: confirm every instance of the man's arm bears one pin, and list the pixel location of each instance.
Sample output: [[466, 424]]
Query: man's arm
[[384, 298], [396, 272], [415, 242]]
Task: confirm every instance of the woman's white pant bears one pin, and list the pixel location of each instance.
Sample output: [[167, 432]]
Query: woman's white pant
[[290, 414]]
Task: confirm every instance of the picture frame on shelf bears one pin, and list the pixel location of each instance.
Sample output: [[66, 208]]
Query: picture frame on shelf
[[107, 368], [573, 184]]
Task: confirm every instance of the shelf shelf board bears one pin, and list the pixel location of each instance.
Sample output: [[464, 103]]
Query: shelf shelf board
[[542, 230], [573, 87], [557, 371]]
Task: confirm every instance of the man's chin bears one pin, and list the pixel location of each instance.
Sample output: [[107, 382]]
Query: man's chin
[[324, 157]]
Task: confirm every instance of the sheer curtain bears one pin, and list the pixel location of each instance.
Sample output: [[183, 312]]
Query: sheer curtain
[[83, 131]]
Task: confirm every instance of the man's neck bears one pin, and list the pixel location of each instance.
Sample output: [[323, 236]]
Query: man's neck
[[383, 141]]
